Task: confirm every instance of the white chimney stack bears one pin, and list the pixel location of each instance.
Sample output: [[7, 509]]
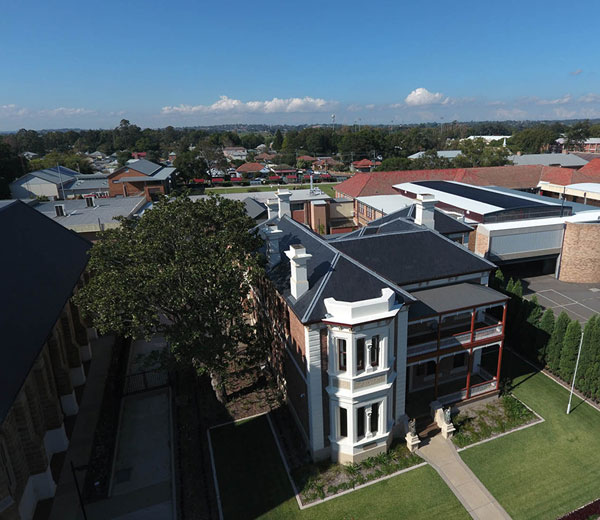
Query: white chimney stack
[[272, 237], [272, 208], [299, 276], [425, 207], [284, 202]]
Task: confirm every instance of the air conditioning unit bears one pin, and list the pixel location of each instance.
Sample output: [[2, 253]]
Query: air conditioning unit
[[90, 202], [60, 210]]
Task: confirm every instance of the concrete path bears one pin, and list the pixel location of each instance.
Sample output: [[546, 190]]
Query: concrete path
[[477, 500]]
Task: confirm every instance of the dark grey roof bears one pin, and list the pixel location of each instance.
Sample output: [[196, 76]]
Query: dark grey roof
[[144, 166], [439, 300], [412, 256], [56, 175], [480, 194], [330, 274], [42, 262], [254, 209]]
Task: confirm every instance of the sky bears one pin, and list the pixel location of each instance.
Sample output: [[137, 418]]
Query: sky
[[73, 64]]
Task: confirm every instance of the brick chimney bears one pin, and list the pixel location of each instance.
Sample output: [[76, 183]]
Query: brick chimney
[[299, 275], [425, 207], [284, 202]]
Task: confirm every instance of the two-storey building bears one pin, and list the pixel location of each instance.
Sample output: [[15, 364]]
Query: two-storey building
[[370, 328]]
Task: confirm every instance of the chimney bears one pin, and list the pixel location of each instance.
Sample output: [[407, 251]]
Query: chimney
[[272, 208], [284, 202], [425, 208], [299, 276], [272, 236]]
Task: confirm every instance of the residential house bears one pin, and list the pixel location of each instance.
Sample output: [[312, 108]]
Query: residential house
[[58, 183], [364, 165], [252, 169], [141, 177], [369, 330], [562, 160], [43, 348], [235, 153], [590, 145]]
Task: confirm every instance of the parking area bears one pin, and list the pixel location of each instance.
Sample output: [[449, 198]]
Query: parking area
[[579, 300]]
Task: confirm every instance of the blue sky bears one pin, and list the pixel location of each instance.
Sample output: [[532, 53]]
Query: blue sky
[[89, 64]]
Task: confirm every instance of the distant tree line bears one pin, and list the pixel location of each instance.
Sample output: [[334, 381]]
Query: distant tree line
[[553, 341]]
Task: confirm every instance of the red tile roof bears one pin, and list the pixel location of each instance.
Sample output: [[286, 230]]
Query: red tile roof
[[381, 183], [265, 156], [592, 167], [251, 167], [306, 158]]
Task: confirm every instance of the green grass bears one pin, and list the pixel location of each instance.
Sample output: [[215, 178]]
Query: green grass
[[551, 468], [327, 187], [253, 484]]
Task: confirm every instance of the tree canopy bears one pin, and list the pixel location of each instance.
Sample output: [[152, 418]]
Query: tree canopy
[[183, 270]]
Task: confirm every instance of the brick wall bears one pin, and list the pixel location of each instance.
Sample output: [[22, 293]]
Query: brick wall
[[482, 243], [580, 259]]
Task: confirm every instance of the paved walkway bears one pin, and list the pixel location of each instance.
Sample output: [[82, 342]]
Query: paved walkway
[[473, 495]]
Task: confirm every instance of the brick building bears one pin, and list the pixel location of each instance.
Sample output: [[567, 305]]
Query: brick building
[[42, 348], [141, 177], [370, 328]]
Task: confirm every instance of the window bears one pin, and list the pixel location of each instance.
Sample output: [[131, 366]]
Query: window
[[5, 461], [360, 422], [369, 211], [430, 368], [459, 360], [360, 354], [341, 346], [343, 422], [374, 354], [374, 417]]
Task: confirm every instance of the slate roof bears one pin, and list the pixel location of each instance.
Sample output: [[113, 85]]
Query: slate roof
[[329, 271], [43, 262], [254, 209], [413, 256]]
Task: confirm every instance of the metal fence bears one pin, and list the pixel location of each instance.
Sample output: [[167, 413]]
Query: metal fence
[[142, 381]]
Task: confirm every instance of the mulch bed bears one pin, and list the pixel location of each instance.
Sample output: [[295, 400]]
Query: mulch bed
[[589, 512], [486, 419]]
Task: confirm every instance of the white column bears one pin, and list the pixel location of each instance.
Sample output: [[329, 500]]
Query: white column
[[368, 413], [314, 392]]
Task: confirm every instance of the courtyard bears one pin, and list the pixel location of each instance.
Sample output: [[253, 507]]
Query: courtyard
[[543, 471]]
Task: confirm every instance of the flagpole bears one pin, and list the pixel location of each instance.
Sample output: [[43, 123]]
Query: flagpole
[[575, 374], [61, 182]]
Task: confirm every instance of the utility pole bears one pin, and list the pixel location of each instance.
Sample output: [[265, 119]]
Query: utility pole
[[575, 374]]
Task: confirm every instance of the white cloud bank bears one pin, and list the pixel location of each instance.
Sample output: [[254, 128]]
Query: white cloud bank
[[421, 96], [13, 111], [273, 106]]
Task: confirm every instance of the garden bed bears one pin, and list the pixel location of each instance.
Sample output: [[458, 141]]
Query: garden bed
[[485, 420], [590, 511], [325, 479]]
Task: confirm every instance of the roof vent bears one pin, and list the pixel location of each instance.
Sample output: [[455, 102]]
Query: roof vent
[[60, 210], [90, 202]]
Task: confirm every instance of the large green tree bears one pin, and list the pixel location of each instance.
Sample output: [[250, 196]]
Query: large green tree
[[544, 332], [590, 353], [568, 354], [11, 167], [184, 271], [555, 344], [477, 153], [576, 135]]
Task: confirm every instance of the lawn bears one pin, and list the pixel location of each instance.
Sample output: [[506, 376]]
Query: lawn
[[253, 484], [327, 187], [551, 468]]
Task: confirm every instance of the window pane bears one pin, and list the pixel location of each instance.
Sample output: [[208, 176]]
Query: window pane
[[360, 422], [374, 417], [343, 422], [360, 354], [341, 354], [374, 351]]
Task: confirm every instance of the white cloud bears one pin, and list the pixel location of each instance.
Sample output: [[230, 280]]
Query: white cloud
[[12, 111], [275, 105], [65, 111], [564, 113], [421, 96], [511, 113], [16, 111], [576, 72], [590, 98], [558, 101]]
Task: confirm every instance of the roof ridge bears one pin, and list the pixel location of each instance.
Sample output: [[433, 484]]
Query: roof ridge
[[376, 235], [321, 288]]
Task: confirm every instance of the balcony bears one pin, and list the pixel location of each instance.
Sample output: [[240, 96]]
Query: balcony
[[453, 333]]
